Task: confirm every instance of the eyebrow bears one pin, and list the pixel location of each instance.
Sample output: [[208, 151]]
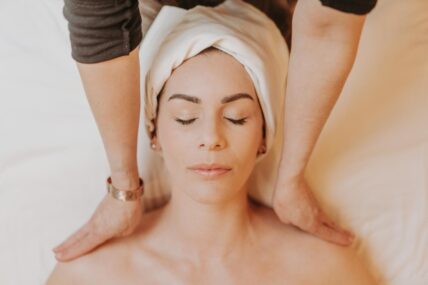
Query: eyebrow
[[225, 100]]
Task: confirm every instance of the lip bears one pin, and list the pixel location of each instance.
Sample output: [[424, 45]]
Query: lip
[[210, 170]]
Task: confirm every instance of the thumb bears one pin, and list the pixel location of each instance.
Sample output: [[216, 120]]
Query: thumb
[[79, 234], [328, 230], [85, 244]]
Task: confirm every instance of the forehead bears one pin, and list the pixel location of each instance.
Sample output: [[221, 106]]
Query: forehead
[[210, 76]]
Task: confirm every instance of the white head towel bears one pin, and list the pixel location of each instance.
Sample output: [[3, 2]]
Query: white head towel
[[236, 28]]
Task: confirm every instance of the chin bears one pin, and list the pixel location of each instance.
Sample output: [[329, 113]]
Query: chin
[[210, 193]]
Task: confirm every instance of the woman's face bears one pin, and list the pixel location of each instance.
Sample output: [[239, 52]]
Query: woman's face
[[209, 127]]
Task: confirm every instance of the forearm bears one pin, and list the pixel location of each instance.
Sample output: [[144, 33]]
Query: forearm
[[113, 91], [321, 59]]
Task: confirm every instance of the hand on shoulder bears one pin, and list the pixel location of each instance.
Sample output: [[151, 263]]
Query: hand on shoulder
[[91, 267], [316, 261]]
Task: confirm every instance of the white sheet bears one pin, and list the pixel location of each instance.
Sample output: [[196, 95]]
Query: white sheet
[[369, 168]]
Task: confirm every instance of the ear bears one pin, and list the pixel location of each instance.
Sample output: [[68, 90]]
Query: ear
[[262, 148], [154, 144]]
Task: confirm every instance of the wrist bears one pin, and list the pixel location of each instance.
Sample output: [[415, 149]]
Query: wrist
[[125, 179], [287, 175], [125, 195]]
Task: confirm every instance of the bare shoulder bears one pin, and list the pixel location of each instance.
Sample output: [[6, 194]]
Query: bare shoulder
[[339, 264], [86, 269], [67, 273], [311, 260], [73, 272], [113, 259]]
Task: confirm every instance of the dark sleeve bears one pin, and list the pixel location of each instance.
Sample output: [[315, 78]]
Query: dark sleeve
[[359, 7], [102, 29]]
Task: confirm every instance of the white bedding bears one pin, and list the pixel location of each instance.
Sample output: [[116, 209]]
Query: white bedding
[[369, 168]]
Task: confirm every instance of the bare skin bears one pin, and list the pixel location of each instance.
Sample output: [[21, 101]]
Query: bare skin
[[210, 232], [324, 46], [314, 84], [113, 91], [274, 254]]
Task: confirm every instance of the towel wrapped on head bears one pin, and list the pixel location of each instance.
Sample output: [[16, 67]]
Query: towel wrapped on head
[[240, 30]]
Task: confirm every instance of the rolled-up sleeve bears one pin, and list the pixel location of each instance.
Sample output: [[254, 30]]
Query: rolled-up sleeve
[[359, 7], [102, 29]]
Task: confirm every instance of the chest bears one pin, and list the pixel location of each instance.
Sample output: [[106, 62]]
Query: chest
[[256, 271]]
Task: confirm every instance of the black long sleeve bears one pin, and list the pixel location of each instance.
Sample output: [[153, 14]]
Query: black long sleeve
[[359, 7], [105, 29], [102, 29]]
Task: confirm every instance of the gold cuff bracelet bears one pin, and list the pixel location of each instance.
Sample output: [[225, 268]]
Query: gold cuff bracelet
[[125, 195]]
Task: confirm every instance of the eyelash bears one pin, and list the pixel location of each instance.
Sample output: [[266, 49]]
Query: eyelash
[[185, 122], [236, 122]]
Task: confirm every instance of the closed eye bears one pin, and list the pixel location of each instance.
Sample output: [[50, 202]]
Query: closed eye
[[238, 122], [185, 122]]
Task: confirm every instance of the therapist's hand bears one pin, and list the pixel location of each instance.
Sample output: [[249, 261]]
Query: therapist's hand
[[295, 204], [112, 218]]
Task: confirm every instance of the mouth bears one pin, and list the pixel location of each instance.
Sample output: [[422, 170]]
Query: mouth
[[210, 170]]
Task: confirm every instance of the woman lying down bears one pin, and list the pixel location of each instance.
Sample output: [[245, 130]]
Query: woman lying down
[[214, 83]]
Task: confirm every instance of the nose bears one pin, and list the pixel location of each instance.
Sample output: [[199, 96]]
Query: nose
[[212, 137]]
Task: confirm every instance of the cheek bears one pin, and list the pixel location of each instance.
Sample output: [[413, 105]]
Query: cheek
[[175, 146], [245, 143]]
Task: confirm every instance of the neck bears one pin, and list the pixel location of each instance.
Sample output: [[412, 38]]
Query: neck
[[209, 231]]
